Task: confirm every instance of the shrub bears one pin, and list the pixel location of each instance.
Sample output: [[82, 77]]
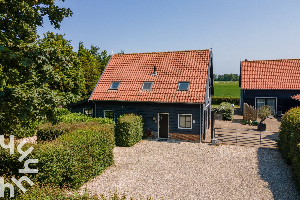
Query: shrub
[[225, 109], [264, 112], [129, 130], [50, 132], [79, 117], [289, 141], [219, 100], [76, 157]]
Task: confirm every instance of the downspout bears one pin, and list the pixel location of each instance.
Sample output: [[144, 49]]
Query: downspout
[[95, 108], [200, 122]]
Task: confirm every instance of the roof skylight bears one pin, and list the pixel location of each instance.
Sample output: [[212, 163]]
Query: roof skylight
[[147, 85], [114, 85], [183, 86]]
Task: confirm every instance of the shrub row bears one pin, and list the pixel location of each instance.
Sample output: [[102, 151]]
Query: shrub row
[[219, 100], [129, 130], [76, 157], [289, 141], [225, 109]]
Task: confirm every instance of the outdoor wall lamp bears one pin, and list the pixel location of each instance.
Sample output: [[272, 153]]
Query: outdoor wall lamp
[[154, 118]]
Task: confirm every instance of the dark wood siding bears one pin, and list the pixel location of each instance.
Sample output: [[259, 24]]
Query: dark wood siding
[[150, 110], [284, 100]]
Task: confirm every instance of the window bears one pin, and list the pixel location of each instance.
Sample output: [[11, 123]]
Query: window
[[114, 85], [88, 111], [266, 101], [109, 114], [185, 121], [147, 85], [183, 86]]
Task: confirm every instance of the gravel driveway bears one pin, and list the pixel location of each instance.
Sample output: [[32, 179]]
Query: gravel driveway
[[186, 170]]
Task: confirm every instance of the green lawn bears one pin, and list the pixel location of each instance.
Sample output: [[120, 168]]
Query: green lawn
[[227, 89]]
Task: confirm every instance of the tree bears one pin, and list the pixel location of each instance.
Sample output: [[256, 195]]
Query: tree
[[92, 64], [36, 76]]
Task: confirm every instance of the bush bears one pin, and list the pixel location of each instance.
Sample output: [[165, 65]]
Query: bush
[[76, 157], [79, 117], [219, 100], [225, 109], [289, 141], [264, 112], [50, 132], [129, 130]]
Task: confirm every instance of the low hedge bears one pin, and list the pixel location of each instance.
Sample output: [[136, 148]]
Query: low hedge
[[70, 160], [79, 117], [225, 109], [219, 100], [289, 141], [129, 130], [76, 157]]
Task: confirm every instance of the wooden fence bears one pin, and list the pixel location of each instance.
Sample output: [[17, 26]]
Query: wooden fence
[[249, 113]]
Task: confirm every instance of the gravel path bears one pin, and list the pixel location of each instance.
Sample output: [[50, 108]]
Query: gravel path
[[185, 170]]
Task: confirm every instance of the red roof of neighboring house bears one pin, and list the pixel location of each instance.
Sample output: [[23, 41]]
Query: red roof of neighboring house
[[134, 69], [271, 74], [296, 97]]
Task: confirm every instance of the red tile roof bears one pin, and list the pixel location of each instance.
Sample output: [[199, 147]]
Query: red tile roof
[[296, 97], [271, 74], [133, 69]]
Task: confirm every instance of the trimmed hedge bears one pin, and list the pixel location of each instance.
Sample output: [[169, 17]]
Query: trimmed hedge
[[129, 130], [76, 157], [70, 160], [219, 100], [225, 109], [289, 141], [79, 117]]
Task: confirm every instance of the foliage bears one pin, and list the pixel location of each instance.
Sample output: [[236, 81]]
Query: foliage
[[129, 130], [225, 109], [226, 77], [93, 64], [79, 117], [36, 75], [264, 112], [49, 132], [219, 100], [289, 141], [76, 157]]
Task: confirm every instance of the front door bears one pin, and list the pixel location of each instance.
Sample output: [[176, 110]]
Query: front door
[[163, 126]]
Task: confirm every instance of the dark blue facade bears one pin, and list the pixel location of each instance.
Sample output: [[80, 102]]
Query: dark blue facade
[[151, 110], [284, 102]]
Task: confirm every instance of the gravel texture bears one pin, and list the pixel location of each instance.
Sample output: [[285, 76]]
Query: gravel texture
[[186, 170]]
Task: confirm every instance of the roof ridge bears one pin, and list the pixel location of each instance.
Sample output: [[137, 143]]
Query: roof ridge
[[120, 54], [271, 60]]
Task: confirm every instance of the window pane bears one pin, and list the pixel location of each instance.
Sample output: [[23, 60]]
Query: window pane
[[88, 111], [188, 125], [188, 118], [181, 121], [114, 85], [147, 85], [260, 103], [183, 85], [271, 102], [109, 114]]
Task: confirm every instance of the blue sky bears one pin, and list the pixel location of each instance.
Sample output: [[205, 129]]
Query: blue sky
[[238, 29]]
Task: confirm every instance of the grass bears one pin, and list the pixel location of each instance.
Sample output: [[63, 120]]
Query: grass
[[227, 89]]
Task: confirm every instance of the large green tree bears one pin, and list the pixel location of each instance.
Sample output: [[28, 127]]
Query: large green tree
[[35, 75], [93, 64]]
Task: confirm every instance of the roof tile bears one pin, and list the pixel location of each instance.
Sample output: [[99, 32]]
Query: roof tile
[[133, 69]]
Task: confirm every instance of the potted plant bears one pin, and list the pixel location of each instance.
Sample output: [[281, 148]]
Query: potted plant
[[263, 113]]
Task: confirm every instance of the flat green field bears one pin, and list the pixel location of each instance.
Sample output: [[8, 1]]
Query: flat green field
[[227, 89]]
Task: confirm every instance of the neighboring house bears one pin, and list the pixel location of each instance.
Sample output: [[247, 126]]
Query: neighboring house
[[271, 82], [171, 90]]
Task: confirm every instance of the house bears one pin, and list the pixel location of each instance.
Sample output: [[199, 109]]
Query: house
[[171, 90], [271, 82]]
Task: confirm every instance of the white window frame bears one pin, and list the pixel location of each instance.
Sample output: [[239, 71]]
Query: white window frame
[[275, 111], [179, 121], [83, 111], [147, 82], [110, 111]]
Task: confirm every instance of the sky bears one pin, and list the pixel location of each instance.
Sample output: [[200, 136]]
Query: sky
[[235, 29]]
